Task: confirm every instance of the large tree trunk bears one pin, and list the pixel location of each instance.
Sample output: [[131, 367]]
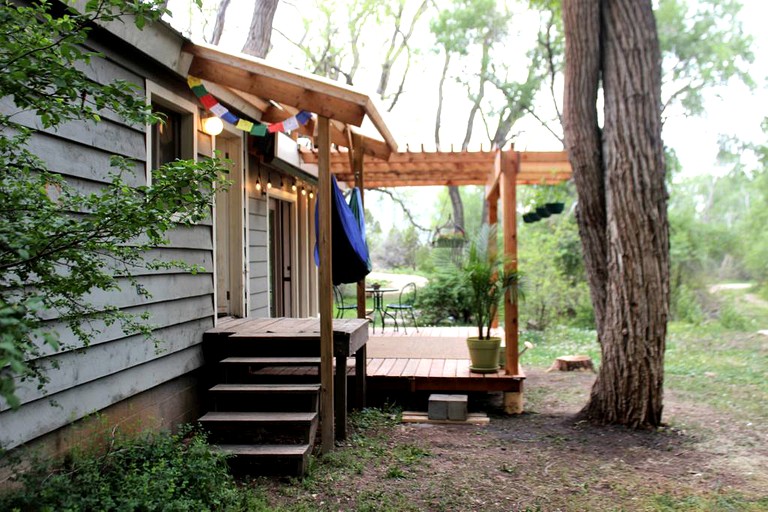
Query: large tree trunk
[[260, 34], [619, 175]]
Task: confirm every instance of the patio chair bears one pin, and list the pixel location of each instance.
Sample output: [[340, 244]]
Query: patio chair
[[405, 303], [341, 308]]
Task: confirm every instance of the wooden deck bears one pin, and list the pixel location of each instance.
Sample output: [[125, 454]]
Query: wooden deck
[[430, 359]]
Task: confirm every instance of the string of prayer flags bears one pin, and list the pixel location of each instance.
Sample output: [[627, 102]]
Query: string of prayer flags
[[257, 129]]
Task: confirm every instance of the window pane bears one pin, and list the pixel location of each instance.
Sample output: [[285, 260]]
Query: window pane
[[166, 137]]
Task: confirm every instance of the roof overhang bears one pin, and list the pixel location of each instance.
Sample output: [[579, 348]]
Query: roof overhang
[[279, 93]]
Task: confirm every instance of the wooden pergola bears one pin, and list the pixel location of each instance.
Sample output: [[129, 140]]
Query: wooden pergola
[[499, 171]]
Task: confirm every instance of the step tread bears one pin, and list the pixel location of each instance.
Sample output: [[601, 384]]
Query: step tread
[[273, 361], [260, 417], [266, 388], [265, 450]]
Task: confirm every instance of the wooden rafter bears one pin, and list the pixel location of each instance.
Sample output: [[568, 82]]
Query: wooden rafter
[[412, 169]]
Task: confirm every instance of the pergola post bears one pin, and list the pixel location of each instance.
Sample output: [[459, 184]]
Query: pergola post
[[357, 155], [325, 290], [510, 164]]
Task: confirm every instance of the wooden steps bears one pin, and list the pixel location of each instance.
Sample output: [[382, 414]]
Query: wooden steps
[[273, 361], [285, 389], [256, 418], [265, 426]]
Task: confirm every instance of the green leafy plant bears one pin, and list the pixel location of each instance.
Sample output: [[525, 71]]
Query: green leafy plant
[[487, 277], [59, 243], [158, 471]]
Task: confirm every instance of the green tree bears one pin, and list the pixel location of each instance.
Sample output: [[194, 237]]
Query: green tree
[[59, 243]]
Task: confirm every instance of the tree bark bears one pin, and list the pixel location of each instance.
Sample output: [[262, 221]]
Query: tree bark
[[619, 174], [218, 27], [260, 34]]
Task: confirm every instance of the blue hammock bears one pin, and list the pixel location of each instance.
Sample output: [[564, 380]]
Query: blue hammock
[[350, 259]]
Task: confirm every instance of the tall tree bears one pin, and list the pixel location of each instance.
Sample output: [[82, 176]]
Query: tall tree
[[260, 33], [619, 172], [218, 26]]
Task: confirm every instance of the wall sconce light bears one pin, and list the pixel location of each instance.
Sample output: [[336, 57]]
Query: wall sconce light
[[212, 125]]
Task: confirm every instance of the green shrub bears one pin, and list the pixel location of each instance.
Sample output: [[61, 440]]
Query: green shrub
[[731, 318], [686, 306], [444, 299], [157, 471]]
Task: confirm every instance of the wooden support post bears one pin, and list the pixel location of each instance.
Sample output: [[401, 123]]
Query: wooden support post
[[357, 155], [493, 220], [510, 164], [325, 290]]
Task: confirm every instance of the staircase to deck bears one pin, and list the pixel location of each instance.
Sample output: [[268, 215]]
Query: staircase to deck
[[263, 406]]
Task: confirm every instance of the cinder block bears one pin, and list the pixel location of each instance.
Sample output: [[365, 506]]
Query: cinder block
[[447, 407]]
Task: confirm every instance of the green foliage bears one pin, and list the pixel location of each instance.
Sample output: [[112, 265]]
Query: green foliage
[[702, 47], [59, 243], [150, 472], [686, 306], [550, 256], [443, 298], [486, 279]]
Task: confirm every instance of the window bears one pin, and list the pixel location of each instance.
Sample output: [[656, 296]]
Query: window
[[165, 137], [177, 137]]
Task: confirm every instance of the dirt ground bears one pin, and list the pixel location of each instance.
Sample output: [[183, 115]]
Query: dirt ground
[[546, 460]]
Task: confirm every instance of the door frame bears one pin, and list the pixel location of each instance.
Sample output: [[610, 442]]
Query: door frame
[[291, 199], [238, 236]]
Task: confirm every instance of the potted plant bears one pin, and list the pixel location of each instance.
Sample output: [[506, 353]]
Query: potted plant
[[486, 281]]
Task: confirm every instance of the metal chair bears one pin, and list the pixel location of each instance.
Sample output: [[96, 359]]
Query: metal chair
[[405, 302], [341, 308]]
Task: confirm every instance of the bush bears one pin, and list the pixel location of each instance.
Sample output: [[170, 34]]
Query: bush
[[157, 471], [444, 299], [731, 318], [686, 307]]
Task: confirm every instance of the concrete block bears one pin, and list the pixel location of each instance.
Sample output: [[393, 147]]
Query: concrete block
[[447, 407]]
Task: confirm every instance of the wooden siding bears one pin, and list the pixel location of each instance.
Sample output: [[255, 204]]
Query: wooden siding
[[116, 367], [258, 251]]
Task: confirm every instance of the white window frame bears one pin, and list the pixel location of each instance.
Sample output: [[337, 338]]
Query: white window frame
[[189, 122]]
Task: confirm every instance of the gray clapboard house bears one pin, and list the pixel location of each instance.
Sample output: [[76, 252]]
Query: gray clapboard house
[[257, 248]]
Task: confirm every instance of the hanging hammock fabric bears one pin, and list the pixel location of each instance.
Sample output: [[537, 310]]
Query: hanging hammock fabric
[[350, 259]]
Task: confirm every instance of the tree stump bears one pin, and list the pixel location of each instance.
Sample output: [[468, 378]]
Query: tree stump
[[572, 363]]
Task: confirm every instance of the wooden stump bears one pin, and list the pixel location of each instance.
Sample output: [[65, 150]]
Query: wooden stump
[[572, 363]]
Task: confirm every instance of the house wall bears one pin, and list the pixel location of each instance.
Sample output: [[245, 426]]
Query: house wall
[[258, 266], [119, 372]]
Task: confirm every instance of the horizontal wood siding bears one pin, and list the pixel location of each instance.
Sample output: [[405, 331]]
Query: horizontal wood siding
[[258, 265], [115, 366]]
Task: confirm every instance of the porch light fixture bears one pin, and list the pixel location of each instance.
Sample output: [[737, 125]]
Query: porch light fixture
[[293, 187], [311, 194], [269, 181], [212, 125], [258, 185], [303, 191]]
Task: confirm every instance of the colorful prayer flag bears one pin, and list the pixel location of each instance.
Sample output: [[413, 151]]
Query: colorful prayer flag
[[303, 117], [229, 117], [193, 81], [259, 130], [275, 127], [208, 101], [218, 109], [290, 124], [199, 90], [244, 125]]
